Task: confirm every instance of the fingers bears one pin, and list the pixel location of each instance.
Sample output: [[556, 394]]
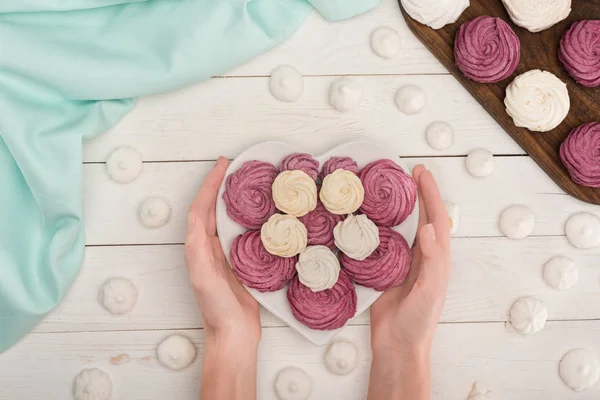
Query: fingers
[[195, 244], [417, 173], [436, 212], [204, 204], [429, 247]]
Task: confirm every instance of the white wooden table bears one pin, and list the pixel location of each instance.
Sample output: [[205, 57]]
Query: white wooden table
[[179, 135]]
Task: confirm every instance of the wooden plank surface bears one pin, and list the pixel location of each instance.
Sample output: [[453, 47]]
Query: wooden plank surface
[[538, 51], [488, 275], [223, 117], [341, 48], [226, 116], [514, 367], [111, 209]]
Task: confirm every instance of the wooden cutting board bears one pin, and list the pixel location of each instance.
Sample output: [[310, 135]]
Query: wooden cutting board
[[538, 51]]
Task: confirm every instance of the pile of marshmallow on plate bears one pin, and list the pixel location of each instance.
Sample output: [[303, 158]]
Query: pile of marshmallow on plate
[[320, 230]]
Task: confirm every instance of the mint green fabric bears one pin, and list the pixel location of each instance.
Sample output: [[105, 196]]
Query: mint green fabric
[[69, 70]]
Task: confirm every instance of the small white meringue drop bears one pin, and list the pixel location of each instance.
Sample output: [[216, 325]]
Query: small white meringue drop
[[124, 165], [154, 212], [410, 99], [579, 369], [480, 163], [176, 352], [517, 222], [92, 384], [341, 357], [528, 315], [293, 384], [345, 94], [583, 230], [385, 42], [440, 135], [118, 295], [561, 273], [286, 83]]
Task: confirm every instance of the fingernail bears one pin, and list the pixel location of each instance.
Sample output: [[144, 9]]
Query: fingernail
[[429, 231], [191, 222]]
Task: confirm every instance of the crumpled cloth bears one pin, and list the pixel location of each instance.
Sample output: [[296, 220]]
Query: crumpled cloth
[[69, 70]]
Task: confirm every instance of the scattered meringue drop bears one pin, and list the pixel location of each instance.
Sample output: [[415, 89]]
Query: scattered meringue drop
[[528, 315], [345, 94], [517, 222], [342, 357], [154, 212], [480, 163], [176, 352], [92, 384], [293, 384], [286, 83], [561, 273], [385, 42], [579, 369], [124, 165], [440, 135], [410, 99], [118, 295], [583, 230]]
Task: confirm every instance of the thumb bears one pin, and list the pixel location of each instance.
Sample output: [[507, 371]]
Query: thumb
[[427, 241], [196, 234]]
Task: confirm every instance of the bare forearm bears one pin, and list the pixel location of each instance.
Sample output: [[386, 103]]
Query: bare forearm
[[229, 373], [396, 377]]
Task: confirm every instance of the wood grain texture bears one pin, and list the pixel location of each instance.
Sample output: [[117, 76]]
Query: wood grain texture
[[488, 274], [223, 117], [111, 217], [321, 47], [538, 51], [512, 366]]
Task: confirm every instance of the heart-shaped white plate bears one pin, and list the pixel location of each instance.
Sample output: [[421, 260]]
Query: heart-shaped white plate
[[363, 152]]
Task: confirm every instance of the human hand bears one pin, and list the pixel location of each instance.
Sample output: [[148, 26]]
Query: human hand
[[404, 318], [230, 313]]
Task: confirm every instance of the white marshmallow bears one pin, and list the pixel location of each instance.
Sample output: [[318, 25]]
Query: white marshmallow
[[435, 13], [537, 15]]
